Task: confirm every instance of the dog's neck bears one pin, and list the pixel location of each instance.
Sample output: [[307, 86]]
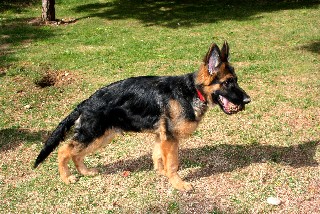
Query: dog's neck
[[199, 106], [200, 96]]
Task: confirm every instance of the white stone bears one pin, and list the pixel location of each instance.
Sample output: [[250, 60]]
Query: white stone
[[274, 201], [27, 106]]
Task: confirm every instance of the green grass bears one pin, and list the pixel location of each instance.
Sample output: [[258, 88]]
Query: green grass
[[234, 162]]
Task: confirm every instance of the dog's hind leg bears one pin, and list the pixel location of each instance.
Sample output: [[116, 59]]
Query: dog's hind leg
[[80, 154], [64, 155], [77, 152], [81, 167]]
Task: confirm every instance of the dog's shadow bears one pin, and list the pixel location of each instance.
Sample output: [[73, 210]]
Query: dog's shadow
[[209, 160]]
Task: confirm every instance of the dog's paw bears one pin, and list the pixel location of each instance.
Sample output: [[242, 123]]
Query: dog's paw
[[91, 172], [179, 184], [183, 186], [70, 179], [187, 186], [161, 172]]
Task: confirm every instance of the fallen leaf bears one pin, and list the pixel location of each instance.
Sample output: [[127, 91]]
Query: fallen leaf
[[125, 173]]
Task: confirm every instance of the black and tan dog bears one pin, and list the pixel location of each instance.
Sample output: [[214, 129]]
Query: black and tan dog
[[169, 106]]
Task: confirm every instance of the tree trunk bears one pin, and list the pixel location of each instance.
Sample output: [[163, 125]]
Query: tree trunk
[[48, 11]]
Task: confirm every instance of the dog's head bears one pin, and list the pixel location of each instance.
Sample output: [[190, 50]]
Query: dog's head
[[218, 82]]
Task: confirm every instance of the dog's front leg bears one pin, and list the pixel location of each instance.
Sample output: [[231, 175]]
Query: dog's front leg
[[157, 157], [169, 150]]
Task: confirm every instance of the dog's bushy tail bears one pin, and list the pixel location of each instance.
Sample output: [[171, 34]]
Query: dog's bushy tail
[[57, 136]]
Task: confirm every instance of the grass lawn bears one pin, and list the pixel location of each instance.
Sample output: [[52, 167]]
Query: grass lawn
[[234, 162]]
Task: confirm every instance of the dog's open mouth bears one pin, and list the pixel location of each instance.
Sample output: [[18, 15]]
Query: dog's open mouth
[[229, 107]]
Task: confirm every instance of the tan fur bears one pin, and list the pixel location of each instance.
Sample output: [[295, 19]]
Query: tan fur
[[64, 155], [205, 79], [224, 73], [181, 127], [165, 152], [170, 160], [157, 157], [203, 76]]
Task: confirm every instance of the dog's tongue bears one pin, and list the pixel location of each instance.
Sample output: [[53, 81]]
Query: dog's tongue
[[229, 106], [225, 101]]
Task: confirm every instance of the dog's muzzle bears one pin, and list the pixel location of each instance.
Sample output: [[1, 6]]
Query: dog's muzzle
[[230, 108]]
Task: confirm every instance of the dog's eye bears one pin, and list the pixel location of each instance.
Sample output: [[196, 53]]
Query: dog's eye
[[229, 82], [226, 83]]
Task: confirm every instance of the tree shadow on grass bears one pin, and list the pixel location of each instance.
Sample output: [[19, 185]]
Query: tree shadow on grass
[[18, 31], [13, 137], [313, 46], [16, 34], [234, 157], [210, 160], [187, 13], [16, 6]]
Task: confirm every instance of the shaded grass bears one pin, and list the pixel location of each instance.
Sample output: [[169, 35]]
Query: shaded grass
[[235, 163], [16, 6], [188, 13]]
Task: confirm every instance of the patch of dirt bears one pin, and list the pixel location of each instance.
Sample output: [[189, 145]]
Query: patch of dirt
[[55, 78], [3, 71], [5, 49], [38, 21]]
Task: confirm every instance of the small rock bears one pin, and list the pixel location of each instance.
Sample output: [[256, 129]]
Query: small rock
[[27, 106], [274, 201]]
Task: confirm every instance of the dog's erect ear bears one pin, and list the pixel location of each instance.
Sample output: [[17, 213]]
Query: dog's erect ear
[[225, 52], [213, 59]]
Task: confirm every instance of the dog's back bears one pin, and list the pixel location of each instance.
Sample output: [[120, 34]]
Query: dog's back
[[135, 104]]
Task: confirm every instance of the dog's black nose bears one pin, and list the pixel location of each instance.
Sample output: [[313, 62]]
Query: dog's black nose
[[246, 100]]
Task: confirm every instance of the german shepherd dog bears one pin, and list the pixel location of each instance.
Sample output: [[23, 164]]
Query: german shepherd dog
[[171, 107]]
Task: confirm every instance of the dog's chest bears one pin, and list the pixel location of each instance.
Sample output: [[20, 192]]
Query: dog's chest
[[199, 108]]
